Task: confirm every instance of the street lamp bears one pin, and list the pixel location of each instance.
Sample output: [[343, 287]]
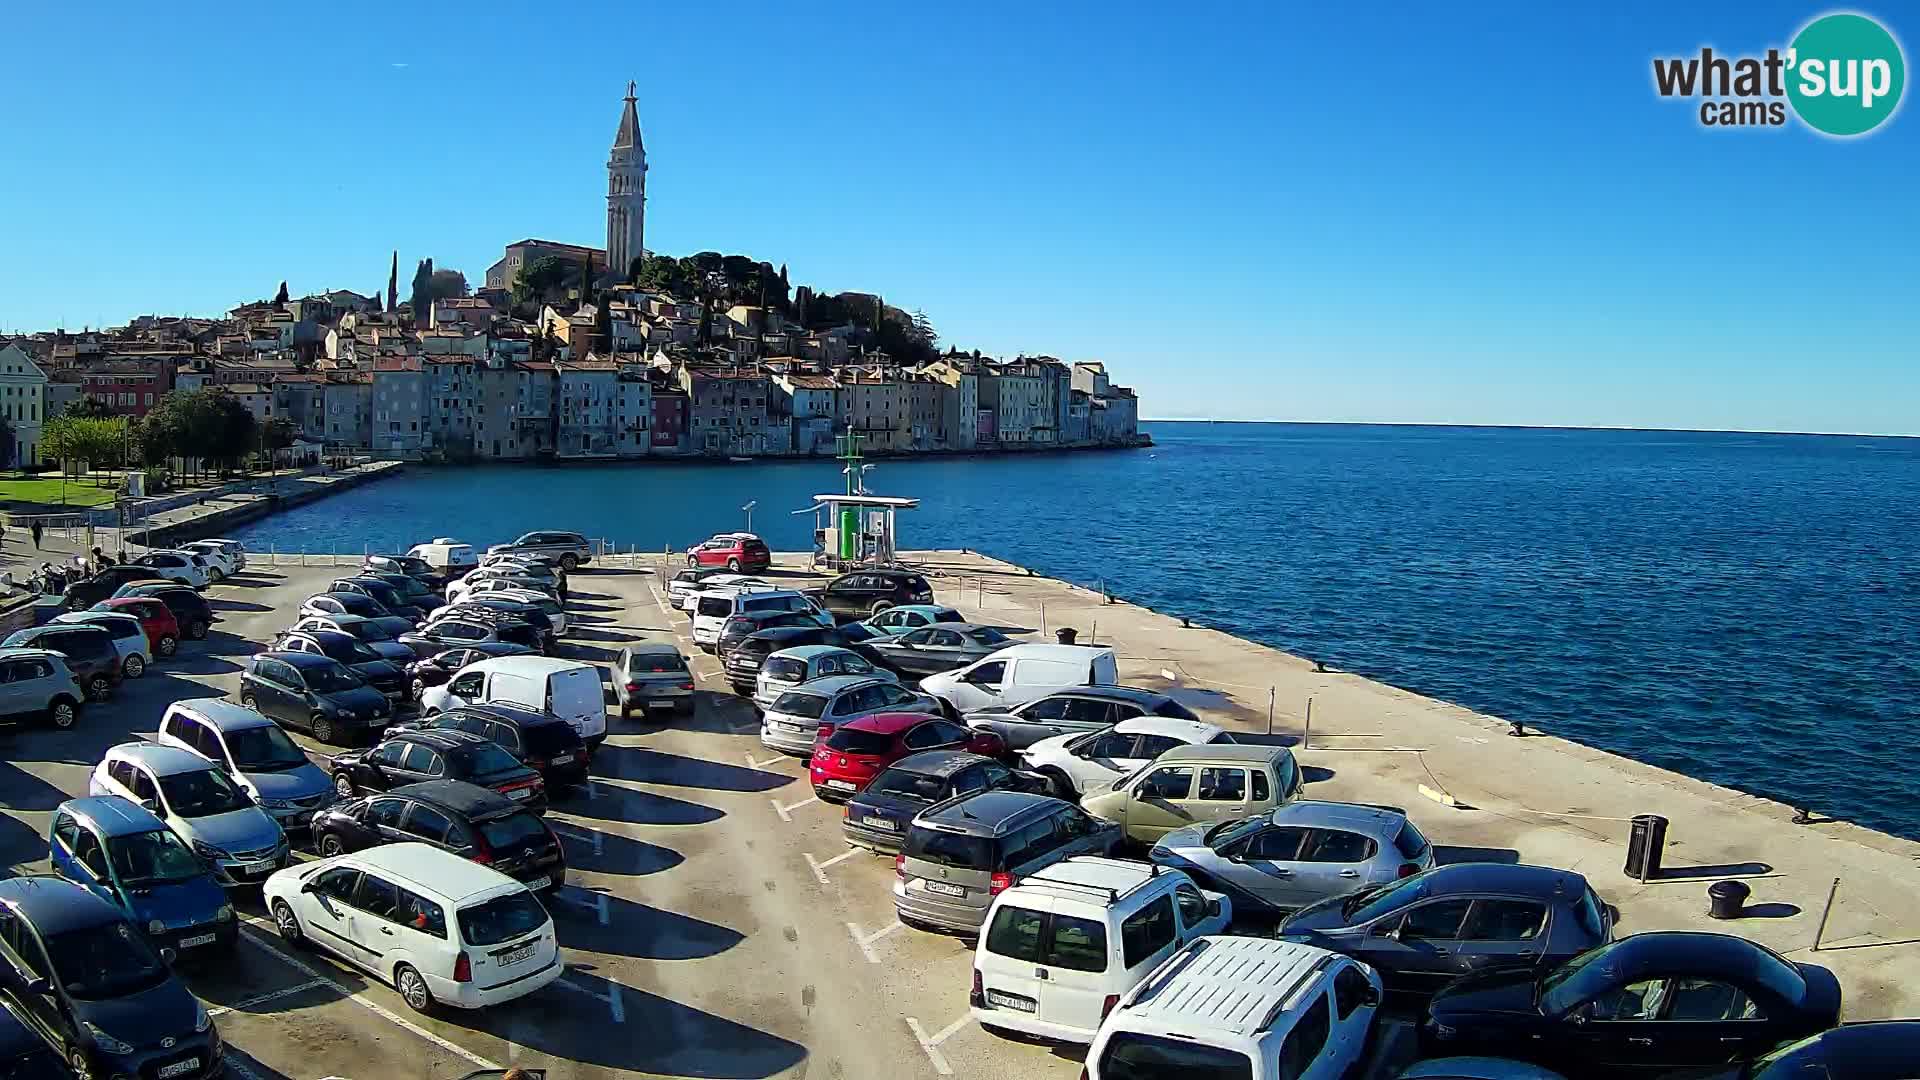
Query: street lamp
[[748, 509]]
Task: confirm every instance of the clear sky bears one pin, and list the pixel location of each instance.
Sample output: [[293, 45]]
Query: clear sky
[[1450, 213]]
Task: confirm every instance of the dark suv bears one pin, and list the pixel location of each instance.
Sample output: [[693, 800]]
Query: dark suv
[[861, 593], [395, 601], [189, 608], [468, 820], [89, 650], [542, 741], [745, 659], [380, 673], [412, 757], [877, 817], [82, 595], [314, 693], [738, 628], [962, 853]]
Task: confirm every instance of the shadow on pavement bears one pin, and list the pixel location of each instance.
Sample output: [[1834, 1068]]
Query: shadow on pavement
[[1446, 856], [640, 931], [611, 802], [610, 853], [658, 767], [236, 605]]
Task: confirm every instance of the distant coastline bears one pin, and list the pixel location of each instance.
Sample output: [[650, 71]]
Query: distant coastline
[[1443, 425]]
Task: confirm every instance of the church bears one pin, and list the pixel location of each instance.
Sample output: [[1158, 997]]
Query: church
[[626, 212]]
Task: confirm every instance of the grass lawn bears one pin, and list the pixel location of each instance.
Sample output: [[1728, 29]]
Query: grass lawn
[[46, 489]]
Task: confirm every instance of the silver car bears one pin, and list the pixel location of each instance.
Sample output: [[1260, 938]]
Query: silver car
[[568, 549], [961, 853], [796, 717], [1083, 708], [652, 675], [1298, 854]]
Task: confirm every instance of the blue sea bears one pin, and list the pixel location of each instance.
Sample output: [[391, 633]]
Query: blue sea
[[1741, 608]]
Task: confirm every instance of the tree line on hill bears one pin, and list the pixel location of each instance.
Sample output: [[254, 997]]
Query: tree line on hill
[[205, 427]]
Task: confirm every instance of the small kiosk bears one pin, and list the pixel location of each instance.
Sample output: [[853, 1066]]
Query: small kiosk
[[855, 529]]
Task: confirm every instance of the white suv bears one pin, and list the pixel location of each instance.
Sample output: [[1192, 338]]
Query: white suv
[[438, 927], [1079, 764], [1236, 1006], [1061, 947], [718, 604]]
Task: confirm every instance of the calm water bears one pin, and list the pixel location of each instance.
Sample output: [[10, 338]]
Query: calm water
[[1741, 608]]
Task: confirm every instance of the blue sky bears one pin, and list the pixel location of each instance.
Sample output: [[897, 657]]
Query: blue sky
[[1250, 211]]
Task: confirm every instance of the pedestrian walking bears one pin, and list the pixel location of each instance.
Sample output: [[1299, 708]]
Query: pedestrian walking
[[38, 528]]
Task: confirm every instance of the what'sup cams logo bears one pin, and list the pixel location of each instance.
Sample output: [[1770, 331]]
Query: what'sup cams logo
[[1842, 76]]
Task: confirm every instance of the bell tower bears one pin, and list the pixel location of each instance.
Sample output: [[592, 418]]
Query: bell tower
[[626, 192]]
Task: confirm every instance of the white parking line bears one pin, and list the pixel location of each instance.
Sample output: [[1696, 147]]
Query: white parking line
[[612, 998], [254, 1002], [786, 812], [598, 903], [932, 1045], [865, 941], [820, 868], [710, 674], [774, 760]]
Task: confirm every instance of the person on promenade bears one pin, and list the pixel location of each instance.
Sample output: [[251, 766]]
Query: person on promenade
[[38, 528]]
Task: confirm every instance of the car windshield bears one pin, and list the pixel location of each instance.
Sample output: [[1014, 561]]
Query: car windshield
[[1371, 903], [908, 785], [950, 849], [502, 918], [1228, 832], [328, 678], [107, 960], [853, 741], [263, 749], [346, 650], [785, 669], [655, 663], [548, 739], [807, 705], [1134, 1056], [201, 793], [152, 858], [373, 630], [987, 635], [512, 831], [490, 759], [1562, 989]]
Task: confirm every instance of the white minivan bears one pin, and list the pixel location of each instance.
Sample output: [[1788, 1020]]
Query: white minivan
[[1021, 673], [568, 689], [717, 605], [446, 555], [1062, 946], [442, 930]]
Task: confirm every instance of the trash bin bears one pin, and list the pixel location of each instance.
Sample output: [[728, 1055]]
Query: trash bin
[[1644, 844], [1066, 634], [1727, 899]]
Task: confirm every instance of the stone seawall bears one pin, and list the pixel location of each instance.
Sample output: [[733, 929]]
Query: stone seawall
[[220, 515]]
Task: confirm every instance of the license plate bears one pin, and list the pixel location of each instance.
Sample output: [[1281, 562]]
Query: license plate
[[788, 727], [1011, 1001], [520, 793], [251, 868], [946, 888], [179, 1068], [841, 785], [881, 823], [562, 759], [519, 955], [540, 882], [197, 939]]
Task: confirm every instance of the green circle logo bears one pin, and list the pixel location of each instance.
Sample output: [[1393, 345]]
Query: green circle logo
[[1846, 74]]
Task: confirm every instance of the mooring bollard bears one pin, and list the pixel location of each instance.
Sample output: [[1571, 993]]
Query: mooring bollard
[[1727, 899]]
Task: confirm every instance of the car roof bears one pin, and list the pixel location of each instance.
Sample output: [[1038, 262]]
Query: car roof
[[1244, 753], [55, 905], [987, 812], [938, 762], [299, 659], [648, 648], [1517, 879], [222, 713], [440, 738], [22, 651], [529, 665], [113, 815], [162, 760], [347, 618], [1683, 951], [808, 652], [886, 723], [1041, 651], [1477, 1068], [1092, 879], [457, 796], [431, 869], [924, 609], [836, 684], [1191, 731], [1110, 693], [1228, 984], [1382, 822], [517, 715]]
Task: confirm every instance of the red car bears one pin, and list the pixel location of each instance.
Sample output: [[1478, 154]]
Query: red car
[[847, 760], [156, 618], [738, 552]]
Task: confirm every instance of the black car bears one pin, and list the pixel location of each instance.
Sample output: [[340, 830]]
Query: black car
[[1874, 1050], [929, 650], [435, 670], [877, 817], [412, 590], [396, 602], [1427, 929], [106, 582], [501, 607], [89, 650], [1644, 1004], [24, 1055], [463, 818], [542, 741], [460, 627], [313, 693], [745, 659], [411, 565], [737, 628], [861, 593], [189, 608], [380, 673], [76, 969], [413, 757], [344, 603]]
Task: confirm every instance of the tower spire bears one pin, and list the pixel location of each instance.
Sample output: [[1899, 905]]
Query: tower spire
[[626, 192]]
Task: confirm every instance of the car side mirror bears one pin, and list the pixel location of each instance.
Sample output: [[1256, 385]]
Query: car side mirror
[[1213, 907], [1371, 997], [153, 807]]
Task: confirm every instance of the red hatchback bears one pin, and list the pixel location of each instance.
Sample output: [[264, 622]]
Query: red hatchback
[[737, 552], [848, 759], [156, 618]]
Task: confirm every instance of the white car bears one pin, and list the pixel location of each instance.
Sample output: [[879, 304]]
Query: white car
[[446, 555], [224, 558], [200, 803], [1078, 764], [568, 689], [1062, 945], [440, 929], [129, 637], [691, 592], [716, 606], [494, 577], [186, 567]]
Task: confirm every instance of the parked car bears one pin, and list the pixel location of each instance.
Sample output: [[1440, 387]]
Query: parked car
[[859, 594], [905, 617], [1081, 709], [1241, 1007], [568, 689], [1021, 673], [130, 642], [1298, 853], [106, 582], [508, 620], [961, 854], [381, 634], [690, 594], [1191, 784], [744, 659], [315, 694], [929, 650], [435, 670], [411, 565], [446, 557], [1477, 1068], [857, 751], [735, 551], [453, 815], [681, 583], [1663, 1000], [375, 670], [539, 740], [1079, 764], [397, 603], [569, 549], [125, 855], [738, 628], [180, 567], [799, 717], [441, 929], [24, 1053], [156, 618], [90, 653], [503, 577], [803, 664], [225, 558], [1432, 927], [1061, 947], [414, 757], [716, 605], [37, 683], [190, 610], [413, 590], [200, 803], [343, 603], [459, 627], [554, 610], [255, 752], [877, 816], [652, 675], [1869, 1050], [92, 984]]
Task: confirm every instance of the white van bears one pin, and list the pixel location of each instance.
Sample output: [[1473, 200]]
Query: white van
[[719, 604], [446, 555], [1022, 673], [1241, 1006], [568, 689], [1064, 945]]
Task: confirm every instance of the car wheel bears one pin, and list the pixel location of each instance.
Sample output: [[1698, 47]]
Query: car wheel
[[568, 562], [167, 645], [343, 785], [1062, 785], [323, 728], [81, 1065], [214, 576], [693, 562], [197, 629], [733, 565], [285, 921], [419, 687], [247, 699], [99, 687], [134, 667], [878, 607], [413, 989], [64, 713], [947, 711], [330, 844]]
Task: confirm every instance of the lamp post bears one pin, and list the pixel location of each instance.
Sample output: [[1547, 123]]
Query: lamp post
[[748, 510]]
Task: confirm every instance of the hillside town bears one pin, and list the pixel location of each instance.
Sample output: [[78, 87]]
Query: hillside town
[[568, 352]]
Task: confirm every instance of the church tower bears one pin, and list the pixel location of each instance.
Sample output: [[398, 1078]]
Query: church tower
[[626, 193]]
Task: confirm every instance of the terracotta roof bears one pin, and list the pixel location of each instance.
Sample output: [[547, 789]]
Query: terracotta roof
[[244, 388], [813, 382], [299, 377], [396, 363]]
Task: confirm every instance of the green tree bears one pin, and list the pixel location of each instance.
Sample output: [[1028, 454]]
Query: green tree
[[544, 280], [280, 298], [89, 408], [422, 289], [6, 443], [446, 284]]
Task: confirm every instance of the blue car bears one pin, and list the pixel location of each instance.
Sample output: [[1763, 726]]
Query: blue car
[[124, 854]]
